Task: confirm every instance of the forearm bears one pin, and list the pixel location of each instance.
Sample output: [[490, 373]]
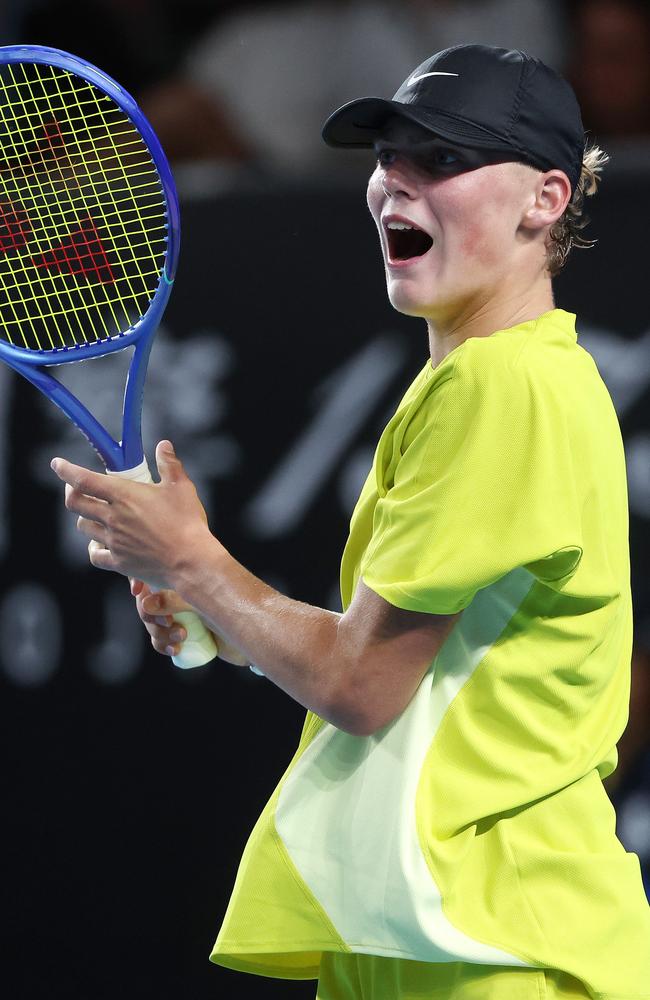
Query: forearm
[[296, 645]]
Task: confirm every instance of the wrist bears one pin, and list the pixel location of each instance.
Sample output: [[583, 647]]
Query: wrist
[[199, 560]]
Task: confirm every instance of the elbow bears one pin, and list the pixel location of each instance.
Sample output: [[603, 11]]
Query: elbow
[[364, 709], [365, 730], [349, 713], [370, 726], [348, 721]]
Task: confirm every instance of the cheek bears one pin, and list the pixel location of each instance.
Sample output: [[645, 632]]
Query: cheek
[[375, 195], [476, 241], [484, 237], [475, 212]]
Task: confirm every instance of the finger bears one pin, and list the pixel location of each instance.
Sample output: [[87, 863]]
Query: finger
[[147, 617], [166, 645], [101, 557], [88, 506], [164, 602], [162, 646], [165, 636], [139, 603], [93, 484], [164, 620], [93, 530], [153, 619], [141, 593]]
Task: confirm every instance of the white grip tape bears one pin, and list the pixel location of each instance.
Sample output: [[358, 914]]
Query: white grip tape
[[199, 647]]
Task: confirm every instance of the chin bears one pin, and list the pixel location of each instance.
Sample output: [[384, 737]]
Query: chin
[[408, 302]]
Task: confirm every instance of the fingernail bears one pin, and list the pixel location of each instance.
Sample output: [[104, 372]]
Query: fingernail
[[178, 635], [165, 620], [169, 650]]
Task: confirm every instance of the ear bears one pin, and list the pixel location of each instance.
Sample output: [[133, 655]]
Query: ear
[[548, 200]]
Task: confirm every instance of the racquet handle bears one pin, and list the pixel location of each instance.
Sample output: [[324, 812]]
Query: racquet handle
[[199, 647]]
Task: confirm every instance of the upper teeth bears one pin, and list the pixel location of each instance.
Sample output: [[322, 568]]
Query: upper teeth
[[399, 225]]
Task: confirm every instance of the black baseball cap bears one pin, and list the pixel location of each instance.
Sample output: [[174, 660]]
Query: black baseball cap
[[479, 96]]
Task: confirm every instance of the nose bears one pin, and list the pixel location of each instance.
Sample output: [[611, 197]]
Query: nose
[[398, 179]]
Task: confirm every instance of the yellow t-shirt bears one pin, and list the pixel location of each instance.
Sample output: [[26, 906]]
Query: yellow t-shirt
[[474, 827]]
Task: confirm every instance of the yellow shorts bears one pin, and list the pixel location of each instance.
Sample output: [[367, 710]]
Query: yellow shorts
[[372, 977]]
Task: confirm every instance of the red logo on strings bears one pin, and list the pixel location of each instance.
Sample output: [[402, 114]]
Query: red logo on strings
[[80, 253], [15, 227], [46, 152]]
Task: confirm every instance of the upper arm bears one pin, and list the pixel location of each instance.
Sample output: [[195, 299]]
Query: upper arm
[[388, 651]]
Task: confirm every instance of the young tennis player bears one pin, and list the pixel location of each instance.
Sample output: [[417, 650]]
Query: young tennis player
[[442, 830]]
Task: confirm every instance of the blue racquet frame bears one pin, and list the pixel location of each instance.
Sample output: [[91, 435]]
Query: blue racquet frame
[[125, 457], [128, 453]]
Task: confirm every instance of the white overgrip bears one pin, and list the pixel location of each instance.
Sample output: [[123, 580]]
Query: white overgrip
[[199, 647]]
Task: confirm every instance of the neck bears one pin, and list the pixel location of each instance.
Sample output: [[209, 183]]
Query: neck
[[486, 317]]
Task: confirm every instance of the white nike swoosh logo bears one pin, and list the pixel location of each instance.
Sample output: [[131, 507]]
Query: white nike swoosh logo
[[414, 79]]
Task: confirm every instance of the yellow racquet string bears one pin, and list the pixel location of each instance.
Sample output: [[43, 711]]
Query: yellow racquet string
[[82, 212], [47, 241], [36, 186], [76, 313], [90, 175], [121, 151], [84, 159]]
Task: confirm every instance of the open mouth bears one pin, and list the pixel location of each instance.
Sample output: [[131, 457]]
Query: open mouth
[[406, 241]]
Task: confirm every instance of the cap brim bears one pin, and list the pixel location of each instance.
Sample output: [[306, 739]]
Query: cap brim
[[359, 123]]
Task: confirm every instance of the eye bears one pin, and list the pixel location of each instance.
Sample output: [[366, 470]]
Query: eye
[[445, 157], [386, 157]]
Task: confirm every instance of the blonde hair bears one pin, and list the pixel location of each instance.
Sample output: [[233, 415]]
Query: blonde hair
[[565, 233]]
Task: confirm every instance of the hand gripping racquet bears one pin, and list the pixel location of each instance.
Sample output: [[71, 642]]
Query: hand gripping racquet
[[89, 241]]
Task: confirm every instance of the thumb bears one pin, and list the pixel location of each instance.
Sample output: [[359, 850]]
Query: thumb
[[169, 466], [166, 602]]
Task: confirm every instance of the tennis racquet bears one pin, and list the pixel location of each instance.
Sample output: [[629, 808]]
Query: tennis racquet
[[89, 241]]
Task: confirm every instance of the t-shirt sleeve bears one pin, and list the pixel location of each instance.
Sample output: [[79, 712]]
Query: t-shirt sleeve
[[487, 485]]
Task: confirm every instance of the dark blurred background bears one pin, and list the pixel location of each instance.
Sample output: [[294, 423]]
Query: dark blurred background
[[130, 787]]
